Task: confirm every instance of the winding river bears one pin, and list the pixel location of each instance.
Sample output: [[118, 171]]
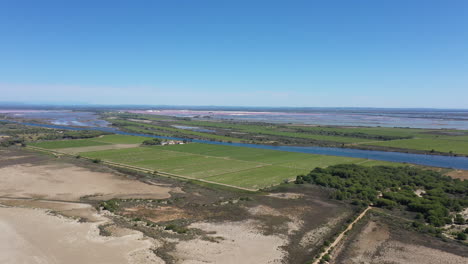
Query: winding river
[[427, 160]]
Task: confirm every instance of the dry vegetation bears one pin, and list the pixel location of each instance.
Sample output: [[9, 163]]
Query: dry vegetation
[[380, 239], [49, 202]]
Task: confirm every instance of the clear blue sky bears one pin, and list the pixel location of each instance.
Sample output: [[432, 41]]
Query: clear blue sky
[[395, 53]]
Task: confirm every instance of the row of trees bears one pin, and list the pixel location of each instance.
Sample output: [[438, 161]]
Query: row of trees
[[350, 134], [152, 142], [71, 134], [391, 187]]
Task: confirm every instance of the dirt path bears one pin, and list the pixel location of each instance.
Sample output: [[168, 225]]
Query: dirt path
[[341, 236]]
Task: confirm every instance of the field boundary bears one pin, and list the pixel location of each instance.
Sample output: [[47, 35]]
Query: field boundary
[[140, 169]]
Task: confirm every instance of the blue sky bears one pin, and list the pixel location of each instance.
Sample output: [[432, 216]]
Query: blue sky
[[238, 53]]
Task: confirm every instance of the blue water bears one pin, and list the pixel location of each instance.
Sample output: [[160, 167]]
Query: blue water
[[427, 160]]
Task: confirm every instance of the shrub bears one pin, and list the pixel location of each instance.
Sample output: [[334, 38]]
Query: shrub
[[461, 236], [326, 257], [152, 142], [111, 205]]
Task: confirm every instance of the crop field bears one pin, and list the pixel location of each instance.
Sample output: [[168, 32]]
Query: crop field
[[120, 139], [68, 144], [237, 166], [167, 131], [454, 144], [99, 141], [413, 140], [258, 177]]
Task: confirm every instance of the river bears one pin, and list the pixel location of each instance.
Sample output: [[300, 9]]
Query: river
[[427, 160]]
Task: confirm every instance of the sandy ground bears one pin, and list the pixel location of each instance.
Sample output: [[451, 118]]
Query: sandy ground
[[374, 244], [43, 219], [398, 252], [72, 210], [42, 222], [34, 236], [69, 182], [234, 242], [96, 148], [286, 195], [156, 215], [458, 174]]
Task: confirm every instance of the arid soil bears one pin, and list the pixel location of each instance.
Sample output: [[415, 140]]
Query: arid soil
[[379, 240], [35, 236], [458, 174], [69, 182], [50, 212], [233, 242]]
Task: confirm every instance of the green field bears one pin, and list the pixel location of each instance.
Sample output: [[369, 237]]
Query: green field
[[270, 130], [139, 127], [237, 166], [68, 144], [98, 141], [453, 144], [120, 139], [411, 139]]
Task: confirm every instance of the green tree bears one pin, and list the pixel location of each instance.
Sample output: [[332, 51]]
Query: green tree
[[461, 236]]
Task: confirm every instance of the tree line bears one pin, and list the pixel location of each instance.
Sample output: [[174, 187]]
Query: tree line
[[440, 198]]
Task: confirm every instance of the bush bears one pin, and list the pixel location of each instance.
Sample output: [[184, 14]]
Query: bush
[[177, 229], [326, 257], [461, 236], [385, 203], [111, 205], [459, 220], [152, 142]]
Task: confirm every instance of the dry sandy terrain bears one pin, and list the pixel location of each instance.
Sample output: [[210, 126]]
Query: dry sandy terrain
[[72, 210], [44, 218], [376, 243], [69, 182], [458, 174], [235, 242], [36, 229], [286, 195], [33, 236]]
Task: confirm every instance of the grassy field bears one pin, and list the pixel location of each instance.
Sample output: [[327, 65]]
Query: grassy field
[[68, 144], [99, 141], [271, 130], [120, 139], [169, 131], [238, 166], [452, 144], [412, 139]]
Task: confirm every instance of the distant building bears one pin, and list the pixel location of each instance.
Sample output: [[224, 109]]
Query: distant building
[[172, 142]]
